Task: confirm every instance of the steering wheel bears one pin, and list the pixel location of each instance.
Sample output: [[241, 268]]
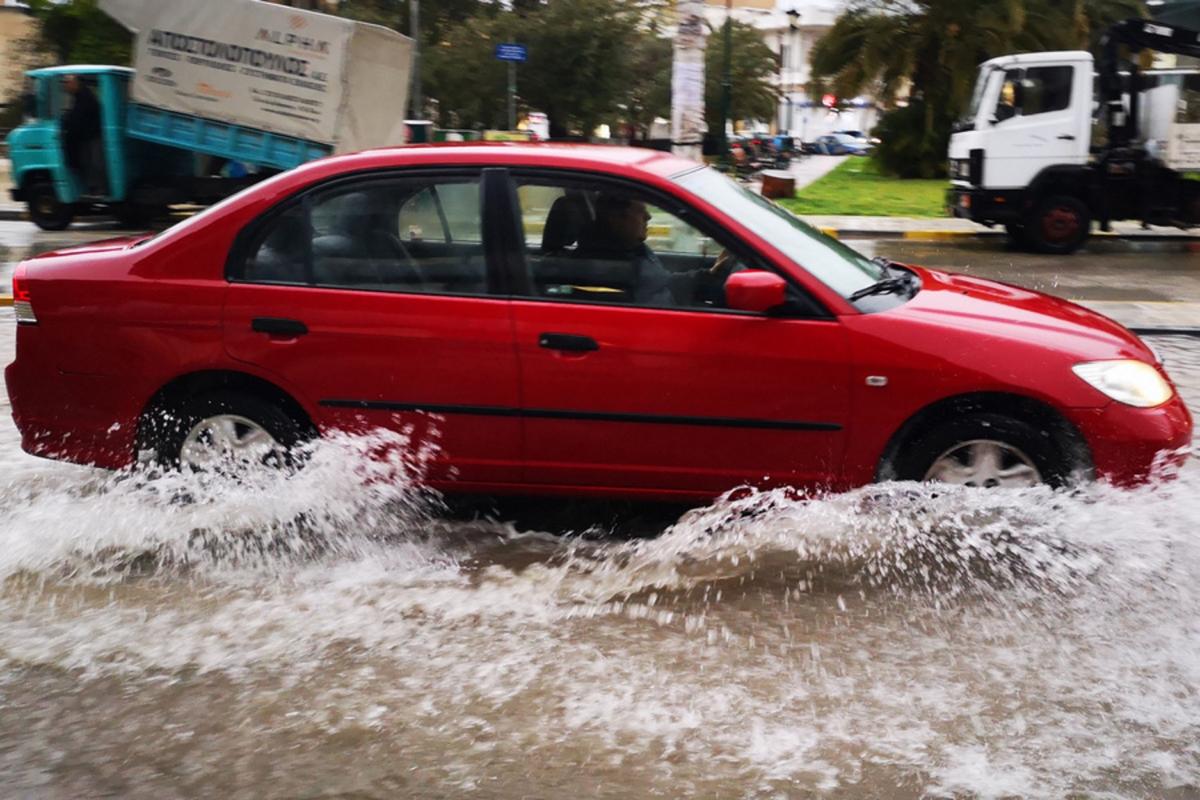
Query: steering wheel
[[723, 263]]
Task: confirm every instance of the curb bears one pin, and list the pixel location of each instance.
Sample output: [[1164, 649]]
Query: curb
[[1181, 242], [6, 300], [13, 215]]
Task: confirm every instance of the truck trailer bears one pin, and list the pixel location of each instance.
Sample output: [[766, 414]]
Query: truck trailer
[[1057, 141]]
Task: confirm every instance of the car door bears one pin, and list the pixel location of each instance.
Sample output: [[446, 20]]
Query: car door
[[373, 300], [622, 388]]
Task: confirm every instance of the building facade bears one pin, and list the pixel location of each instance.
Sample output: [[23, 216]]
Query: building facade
[[791, 28]]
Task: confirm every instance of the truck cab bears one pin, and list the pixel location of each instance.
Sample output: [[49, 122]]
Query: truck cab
[[1053, 141], [41, 175], [1029, 126]]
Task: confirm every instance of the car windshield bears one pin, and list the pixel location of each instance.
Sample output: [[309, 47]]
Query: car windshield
[[841, 268]]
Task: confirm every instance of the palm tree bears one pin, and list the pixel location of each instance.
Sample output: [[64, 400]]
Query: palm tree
[[931, 48]]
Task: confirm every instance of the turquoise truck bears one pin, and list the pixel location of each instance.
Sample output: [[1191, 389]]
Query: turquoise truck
[[212, 104]]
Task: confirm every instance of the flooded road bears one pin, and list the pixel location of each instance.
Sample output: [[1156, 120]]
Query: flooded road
[[339, 634], [336, 635]]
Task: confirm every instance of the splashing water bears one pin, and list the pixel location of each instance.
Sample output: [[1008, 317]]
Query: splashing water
[[333, 632]]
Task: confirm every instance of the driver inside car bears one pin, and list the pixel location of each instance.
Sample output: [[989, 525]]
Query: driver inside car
[[620, 230]]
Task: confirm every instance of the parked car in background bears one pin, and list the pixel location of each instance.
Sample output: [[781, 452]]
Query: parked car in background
[[861, 136], [842, 144], [567, 320]]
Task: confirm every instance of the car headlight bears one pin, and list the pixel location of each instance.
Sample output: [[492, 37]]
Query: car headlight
[[1134, 383]]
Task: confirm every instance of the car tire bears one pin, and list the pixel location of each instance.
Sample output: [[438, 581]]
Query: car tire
[[1059, 224], [45, 209], [984, 450], [223, 423]]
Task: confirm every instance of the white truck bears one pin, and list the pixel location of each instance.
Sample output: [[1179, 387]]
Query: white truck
[[1056, 141]]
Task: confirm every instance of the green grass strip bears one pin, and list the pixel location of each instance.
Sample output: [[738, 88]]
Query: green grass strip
[[856, 188]]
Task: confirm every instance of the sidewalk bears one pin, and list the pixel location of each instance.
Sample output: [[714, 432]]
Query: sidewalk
[[935, 228]]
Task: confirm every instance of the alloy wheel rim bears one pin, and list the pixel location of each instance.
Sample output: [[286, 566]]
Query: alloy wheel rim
[[225, 442], [984, 463]]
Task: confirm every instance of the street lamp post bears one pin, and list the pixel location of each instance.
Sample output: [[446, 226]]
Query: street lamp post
[[726, 78], [794, 29], [415, 11]]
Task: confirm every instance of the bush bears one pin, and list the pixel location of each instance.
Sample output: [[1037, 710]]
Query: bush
[[910, 146]]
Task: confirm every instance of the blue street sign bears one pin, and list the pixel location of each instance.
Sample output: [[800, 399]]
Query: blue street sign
[[511, 52]]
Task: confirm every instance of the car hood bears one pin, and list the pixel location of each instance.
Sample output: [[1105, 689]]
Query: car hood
[[102, 246], [1000, 310]]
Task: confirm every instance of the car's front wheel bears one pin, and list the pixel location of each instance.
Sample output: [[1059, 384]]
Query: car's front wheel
[[984, 450], [223, 432]]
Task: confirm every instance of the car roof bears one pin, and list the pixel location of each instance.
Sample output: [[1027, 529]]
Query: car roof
[[601, 158]]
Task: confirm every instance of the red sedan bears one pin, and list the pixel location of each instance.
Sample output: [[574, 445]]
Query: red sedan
[[571, 320]]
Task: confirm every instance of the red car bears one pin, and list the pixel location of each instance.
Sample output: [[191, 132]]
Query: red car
[[571, 320]]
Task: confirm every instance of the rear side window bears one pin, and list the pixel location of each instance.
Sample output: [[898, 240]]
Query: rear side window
[[395, 235]]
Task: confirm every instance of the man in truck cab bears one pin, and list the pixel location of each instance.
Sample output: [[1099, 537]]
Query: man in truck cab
[[81, 131]]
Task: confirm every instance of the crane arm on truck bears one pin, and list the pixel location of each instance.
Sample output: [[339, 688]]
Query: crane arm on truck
[[1136, 35]]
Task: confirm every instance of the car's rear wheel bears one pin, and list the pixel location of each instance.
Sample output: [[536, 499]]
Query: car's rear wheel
[[45, 209], [984, 450], [223, 432]]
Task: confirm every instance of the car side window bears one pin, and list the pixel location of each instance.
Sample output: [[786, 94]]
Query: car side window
[[401, 235], [592, 245]]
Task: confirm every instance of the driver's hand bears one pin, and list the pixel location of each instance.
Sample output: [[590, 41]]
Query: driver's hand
[[724, 261]]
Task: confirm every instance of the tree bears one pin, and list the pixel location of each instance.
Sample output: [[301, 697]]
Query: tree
[[649, 95], [579, 70], [752, 66], [461, 71], [436, 17], [78, 32], [932, 48]]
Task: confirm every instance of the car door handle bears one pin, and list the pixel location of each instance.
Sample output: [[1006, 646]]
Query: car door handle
[[1067, 137], [277, 326], [567, 341]]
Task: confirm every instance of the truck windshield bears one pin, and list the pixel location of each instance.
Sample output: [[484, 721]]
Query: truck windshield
[[842, 269], [981, 83]]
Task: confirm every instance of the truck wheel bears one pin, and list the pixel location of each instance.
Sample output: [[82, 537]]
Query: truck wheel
[[46, 210], [1059, 225]]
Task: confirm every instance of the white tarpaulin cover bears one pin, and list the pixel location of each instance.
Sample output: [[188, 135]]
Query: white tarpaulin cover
[[270, 67]]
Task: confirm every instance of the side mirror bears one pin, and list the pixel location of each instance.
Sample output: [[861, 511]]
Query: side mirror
[[755, 290]]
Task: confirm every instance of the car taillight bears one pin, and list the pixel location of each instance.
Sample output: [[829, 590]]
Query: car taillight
[[22, 301]]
